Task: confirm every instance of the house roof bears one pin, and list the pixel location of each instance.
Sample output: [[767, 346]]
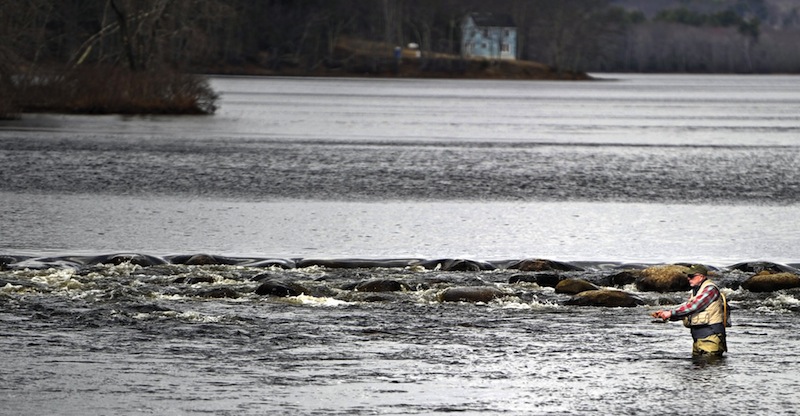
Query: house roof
[[494, 20]]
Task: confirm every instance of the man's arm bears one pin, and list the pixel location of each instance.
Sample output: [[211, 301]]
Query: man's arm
[[696, 304]]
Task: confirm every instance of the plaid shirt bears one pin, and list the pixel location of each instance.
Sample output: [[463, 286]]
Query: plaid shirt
[[696, 303]]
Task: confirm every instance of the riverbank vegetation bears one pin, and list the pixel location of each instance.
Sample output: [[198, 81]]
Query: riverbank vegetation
[[104, 90], [96, 57], [133, 56]]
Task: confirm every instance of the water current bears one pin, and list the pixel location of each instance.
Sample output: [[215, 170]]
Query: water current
[[293, 254]]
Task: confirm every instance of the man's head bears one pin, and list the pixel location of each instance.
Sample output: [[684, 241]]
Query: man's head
[[696, 274]]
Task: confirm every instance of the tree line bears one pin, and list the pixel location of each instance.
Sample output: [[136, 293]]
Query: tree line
[[207, 36], [99, 56], [204, 35]]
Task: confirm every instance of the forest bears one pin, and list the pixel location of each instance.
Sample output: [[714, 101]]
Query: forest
[[154, 45]]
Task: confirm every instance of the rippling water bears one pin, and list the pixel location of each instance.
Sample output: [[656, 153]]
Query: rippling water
[[294, 178]]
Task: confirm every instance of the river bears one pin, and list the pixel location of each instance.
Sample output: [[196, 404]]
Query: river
[[133, 248]]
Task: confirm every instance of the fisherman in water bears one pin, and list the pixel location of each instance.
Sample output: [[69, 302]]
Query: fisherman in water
[[705, 314]]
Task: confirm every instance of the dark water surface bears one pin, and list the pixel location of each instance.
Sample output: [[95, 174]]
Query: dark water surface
[[327, 184], [281, 169]]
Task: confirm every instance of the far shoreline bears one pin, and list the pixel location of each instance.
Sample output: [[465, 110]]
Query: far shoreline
[[372, 66]]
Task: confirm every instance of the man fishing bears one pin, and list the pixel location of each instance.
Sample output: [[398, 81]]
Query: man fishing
[[705, 314]]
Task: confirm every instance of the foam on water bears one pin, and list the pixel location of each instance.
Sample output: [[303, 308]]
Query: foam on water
[[316, 301]]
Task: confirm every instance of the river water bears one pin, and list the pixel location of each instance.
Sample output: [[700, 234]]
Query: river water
[[326, 184]]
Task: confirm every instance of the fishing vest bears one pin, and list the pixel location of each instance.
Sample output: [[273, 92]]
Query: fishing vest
[[713, 314]]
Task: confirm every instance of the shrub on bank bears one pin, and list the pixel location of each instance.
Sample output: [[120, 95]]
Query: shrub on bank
[[113, 90]]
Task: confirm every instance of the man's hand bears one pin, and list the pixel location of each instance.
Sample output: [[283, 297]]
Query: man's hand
[[662, 314]]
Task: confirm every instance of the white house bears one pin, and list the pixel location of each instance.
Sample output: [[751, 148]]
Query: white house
[[489, 36]]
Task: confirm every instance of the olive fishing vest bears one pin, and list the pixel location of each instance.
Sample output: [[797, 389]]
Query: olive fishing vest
[[713, 314]]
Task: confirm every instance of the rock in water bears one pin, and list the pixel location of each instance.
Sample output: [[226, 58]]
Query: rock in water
[[574, 286], [470, 294], [665, 278], [771, 282], [605, 298]]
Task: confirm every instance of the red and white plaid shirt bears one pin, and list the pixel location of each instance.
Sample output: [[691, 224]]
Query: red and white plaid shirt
[[699, 302]]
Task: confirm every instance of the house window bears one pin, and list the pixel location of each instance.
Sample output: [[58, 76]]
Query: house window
[[505, 47]]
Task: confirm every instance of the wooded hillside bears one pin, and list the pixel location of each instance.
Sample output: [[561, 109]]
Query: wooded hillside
[[65, 43], [722, 36], [302, 35]]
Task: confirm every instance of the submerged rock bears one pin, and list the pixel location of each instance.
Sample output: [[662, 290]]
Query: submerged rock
[[281, 263], [132, 258], [624, 277], [264, 276], [541, 265], [605, 298], [761, 266], [461, 265], [219, 292], [6, 261], [282, 289], [203, 260], [382, 285], [541, 279], [574, 286], [771, 282], [471, 294], [147, 308], [386, 297], [354, 263], [191, 280]]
